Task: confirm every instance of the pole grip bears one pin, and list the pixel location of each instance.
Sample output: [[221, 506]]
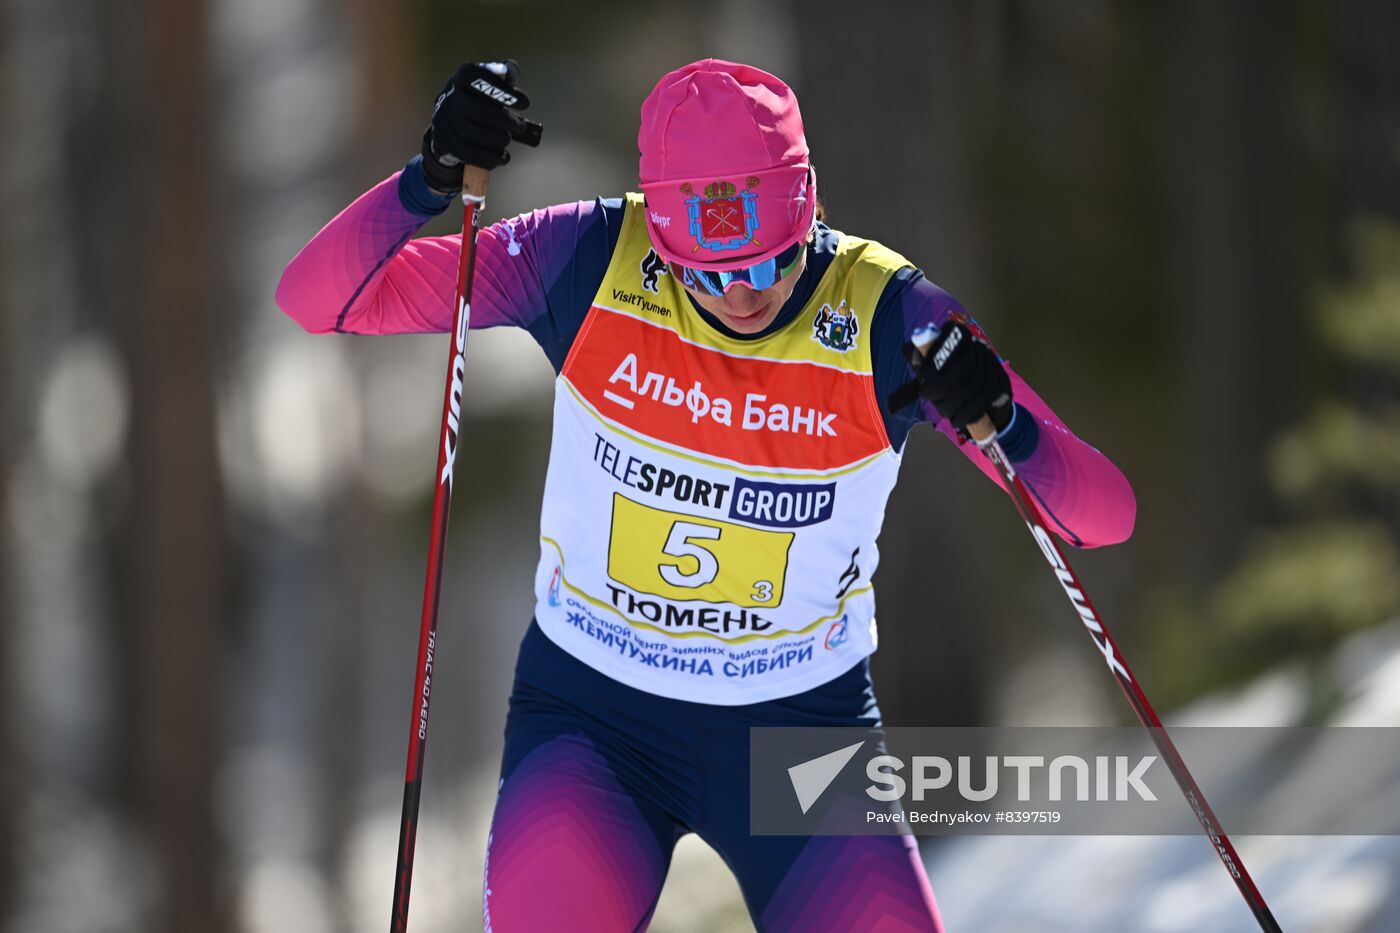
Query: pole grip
[[474, 179], [982, 431]]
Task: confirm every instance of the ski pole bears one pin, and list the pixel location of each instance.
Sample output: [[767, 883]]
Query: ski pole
[[473, 198], [984, 434]]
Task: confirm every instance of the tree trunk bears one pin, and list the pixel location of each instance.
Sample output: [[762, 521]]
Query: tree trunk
[[1234, 191], [171, 536], [10, 760]]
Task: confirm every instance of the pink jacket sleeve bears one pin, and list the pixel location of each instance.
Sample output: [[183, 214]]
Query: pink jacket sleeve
[[1085, 498], [364, 273]]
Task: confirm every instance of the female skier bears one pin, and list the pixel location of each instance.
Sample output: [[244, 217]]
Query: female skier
[[723, 448]]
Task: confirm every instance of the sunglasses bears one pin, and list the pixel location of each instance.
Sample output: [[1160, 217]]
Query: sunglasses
[[758, 276]]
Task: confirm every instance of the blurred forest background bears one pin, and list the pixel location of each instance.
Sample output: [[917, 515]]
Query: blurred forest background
[[1179, 222]]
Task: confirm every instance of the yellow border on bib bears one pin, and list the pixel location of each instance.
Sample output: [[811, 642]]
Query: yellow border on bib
[[672, 633]]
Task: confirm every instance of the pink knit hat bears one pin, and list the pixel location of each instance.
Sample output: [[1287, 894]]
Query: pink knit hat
[[724, 166]]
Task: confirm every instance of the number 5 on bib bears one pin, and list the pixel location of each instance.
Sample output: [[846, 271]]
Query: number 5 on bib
[[687, 557]]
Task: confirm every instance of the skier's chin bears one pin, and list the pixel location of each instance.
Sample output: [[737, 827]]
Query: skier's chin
[[750, 321]]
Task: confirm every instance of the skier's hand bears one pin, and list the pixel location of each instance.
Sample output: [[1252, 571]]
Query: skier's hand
[[961, 375], [475, 118]]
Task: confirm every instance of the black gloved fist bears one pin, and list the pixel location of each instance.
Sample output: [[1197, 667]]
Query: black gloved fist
[[475, 118], [961, 375]]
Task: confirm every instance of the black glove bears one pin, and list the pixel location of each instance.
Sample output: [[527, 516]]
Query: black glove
[[961, 375], [475, 118]]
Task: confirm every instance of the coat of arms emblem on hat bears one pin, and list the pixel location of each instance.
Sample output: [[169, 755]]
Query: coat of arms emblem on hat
[[723, 218]]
